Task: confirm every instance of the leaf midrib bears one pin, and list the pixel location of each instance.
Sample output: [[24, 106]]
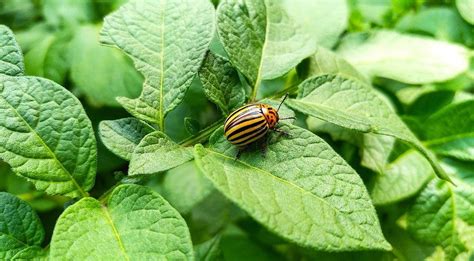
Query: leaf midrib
[[81, 191], [16, 239], [114, 231], [294, 185], [264, 46], [161, 121], [351, 116]]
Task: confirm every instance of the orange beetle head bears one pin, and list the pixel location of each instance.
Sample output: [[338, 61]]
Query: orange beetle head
[[271, 115]]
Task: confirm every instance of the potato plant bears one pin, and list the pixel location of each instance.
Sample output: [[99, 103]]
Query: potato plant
[[112, 144]]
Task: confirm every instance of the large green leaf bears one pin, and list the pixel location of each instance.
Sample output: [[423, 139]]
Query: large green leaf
[[374, 149], [354, 105], [157, 153], [466, 9], [406, 58], [11, 58], [401, 179], [167, 41], [135, 224], [122, 136], [112, 74], [443, 215], [221, 83], [265, 39], [46, 136], [33, 253], [450, 131], [20, 227], [301, 190]]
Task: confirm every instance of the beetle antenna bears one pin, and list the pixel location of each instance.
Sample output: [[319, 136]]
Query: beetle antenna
[[284, 98]]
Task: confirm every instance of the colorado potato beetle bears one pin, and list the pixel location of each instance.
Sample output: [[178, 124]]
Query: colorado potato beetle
[[251, 122]]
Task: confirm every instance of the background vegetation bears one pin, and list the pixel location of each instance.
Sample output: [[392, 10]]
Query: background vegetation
[[387, 84]]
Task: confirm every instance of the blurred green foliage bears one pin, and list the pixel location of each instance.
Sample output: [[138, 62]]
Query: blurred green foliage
[[59, 39]]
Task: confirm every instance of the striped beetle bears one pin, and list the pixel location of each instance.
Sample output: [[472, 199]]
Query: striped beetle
[[252, 122]]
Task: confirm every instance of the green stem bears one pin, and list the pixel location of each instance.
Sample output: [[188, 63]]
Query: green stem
[[202, 135]]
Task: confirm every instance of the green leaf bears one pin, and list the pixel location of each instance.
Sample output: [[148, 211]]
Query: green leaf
[[441, 22], [450, 131], [49, 57], [212, 215], [302, 190], [406, 58], [11, 58], [336, 132], [112, 74], [221, 83], [325, 61], [30, 37], [167, 42], [376, 150], [46, 136], [236, 245], [443, 215], [184, 187], [430, 102], [18, 13], [122, 136], [323, 20], [354, 105], [262, 40], [136, 224], [157, 153], [464, 170], [466, 9], [32, 253], [69, 12], [401, 179], [20, 227]]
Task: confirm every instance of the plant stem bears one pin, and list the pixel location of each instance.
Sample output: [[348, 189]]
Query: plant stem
[[202, 135]]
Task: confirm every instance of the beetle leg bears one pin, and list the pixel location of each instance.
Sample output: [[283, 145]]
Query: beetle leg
[[239, 153], [263, 147], [282, 132]]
